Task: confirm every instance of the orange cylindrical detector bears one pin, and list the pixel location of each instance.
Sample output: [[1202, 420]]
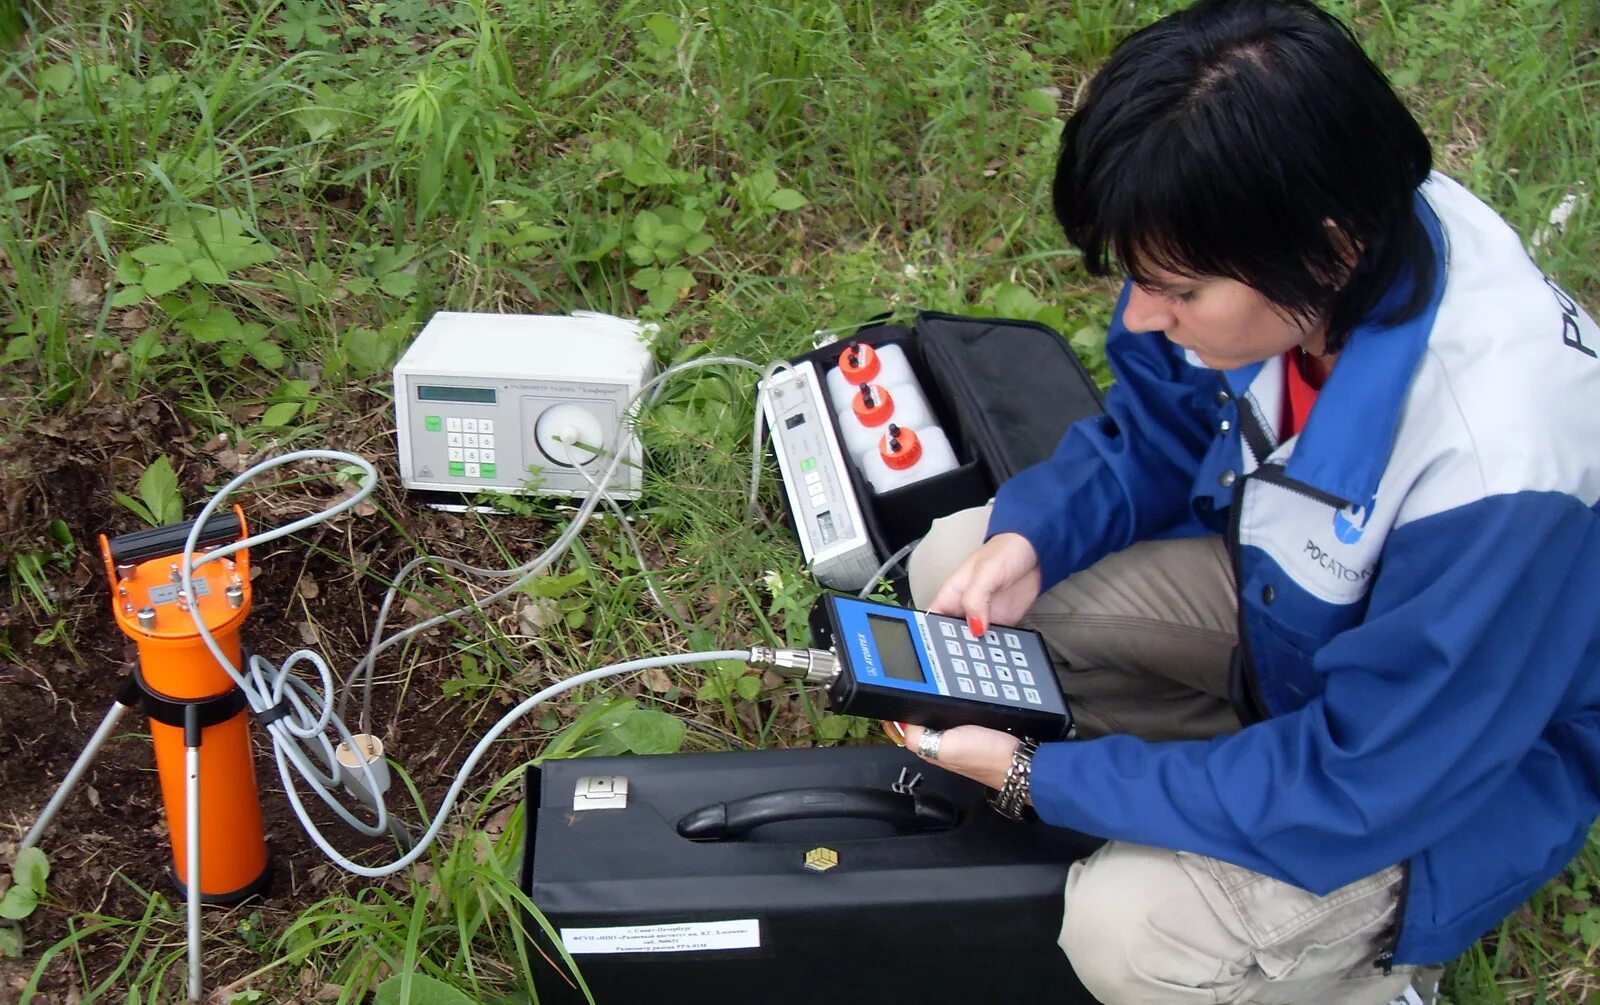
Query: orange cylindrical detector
[[180, 678], [233, 845]]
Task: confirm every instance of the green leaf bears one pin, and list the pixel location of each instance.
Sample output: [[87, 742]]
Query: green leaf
[[21, 347], [58, 77], [646, 279], [159, 254], [208, 272], [18, 903], [20, 193], [1589, 929], [128, 296], [217, 324], [748, 686], [367, 352], [10, 942], [762, 185], [160, 280], [663, 27], [135, 507], [128, 270], [268, 354], [280, 414], [787, 198], [158, 488], [1040, 102], [651, 731], [28, 873], [552, 587], [833, 727], [398, 284], [31, 869], [424, 990], [647, 228]]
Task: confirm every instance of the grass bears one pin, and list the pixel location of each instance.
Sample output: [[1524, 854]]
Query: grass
[[243, 211]]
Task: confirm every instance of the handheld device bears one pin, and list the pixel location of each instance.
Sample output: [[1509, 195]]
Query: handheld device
[[912, 666]]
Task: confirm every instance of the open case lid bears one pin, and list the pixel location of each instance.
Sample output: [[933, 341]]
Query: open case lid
[[1015, 386]]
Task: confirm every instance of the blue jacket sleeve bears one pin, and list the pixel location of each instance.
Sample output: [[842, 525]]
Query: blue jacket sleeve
[[1119, 477], [1480, 633]]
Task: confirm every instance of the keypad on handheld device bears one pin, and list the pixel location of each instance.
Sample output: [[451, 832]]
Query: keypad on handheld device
[[991, 665]]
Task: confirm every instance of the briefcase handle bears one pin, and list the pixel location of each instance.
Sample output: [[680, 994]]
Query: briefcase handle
[[912, 811]]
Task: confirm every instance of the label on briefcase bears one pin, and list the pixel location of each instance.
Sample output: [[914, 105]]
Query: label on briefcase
[[743, 933]]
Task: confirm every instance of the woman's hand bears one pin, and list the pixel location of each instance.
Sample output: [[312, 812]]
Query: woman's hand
[[995, 585], [978, 752]]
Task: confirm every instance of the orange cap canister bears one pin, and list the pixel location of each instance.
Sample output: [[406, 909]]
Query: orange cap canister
[[873, 405], [176, 671], [900, 448], [859, 363]]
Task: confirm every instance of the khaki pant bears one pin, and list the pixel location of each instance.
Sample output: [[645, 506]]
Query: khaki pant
[[1141, 642]]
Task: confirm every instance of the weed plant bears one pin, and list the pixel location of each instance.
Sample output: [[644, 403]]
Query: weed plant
[[245, 210]]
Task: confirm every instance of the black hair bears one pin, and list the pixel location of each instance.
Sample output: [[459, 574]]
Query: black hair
[[1224, 139]]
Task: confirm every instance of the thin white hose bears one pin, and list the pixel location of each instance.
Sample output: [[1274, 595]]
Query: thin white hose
[[362, 674], [878, 573], [301, 738]]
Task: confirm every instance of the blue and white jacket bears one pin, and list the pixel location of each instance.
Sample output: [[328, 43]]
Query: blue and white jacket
[[1419, 591]]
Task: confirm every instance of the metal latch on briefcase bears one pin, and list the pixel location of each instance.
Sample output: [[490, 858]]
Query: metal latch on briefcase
[[600, 792]]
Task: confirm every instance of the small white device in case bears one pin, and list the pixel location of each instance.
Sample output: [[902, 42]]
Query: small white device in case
[[826, 514], [508, 402]]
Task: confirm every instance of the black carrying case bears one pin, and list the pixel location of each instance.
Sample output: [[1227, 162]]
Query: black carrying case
[[1003, 390], [962, 913]]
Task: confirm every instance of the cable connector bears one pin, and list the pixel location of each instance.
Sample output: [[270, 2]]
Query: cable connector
[[815, 666], [354, 776]]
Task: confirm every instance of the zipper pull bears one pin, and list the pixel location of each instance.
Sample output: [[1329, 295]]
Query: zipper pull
[[1386, 961]]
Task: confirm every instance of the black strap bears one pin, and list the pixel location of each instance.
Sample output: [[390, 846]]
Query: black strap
[[170, 711], [271, 715]]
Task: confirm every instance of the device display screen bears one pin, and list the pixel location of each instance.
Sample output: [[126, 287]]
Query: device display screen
[[896, 650], [474, 395]]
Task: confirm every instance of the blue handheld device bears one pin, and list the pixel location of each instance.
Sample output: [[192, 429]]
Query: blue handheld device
[[929, 669]]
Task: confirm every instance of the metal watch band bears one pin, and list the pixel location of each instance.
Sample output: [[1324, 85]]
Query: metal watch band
[[1014, 791]]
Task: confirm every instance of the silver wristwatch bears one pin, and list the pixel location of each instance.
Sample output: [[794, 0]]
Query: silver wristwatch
[[1014, 791]]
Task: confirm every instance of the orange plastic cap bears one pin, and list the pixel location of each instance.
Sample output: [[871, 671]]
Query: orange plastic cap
[[872, 405], [900, 447], [859, 363]]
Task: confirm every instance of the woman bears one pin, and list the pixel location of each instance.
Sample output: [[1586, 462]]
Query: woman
[[1323, 584]]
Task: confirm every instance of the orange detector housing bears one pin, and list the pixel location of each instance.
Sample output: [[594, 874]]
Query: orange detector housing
[[176, 670]]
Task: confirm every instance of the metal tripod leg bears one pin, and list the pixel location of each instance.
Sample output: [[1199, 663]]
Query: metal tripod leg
[[191, 824], [126, 698]]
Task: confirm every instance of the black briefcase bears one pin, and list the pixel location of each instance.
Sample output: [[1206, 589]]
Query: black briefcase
[[792, 876]]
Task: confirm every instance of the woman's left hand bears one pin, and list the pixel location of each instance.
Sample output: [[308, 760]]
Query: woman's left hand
[[979, 753]]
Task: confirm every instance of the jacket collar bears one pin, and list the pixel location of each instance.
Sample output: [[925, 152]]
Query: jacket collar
[[1345, 445]]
